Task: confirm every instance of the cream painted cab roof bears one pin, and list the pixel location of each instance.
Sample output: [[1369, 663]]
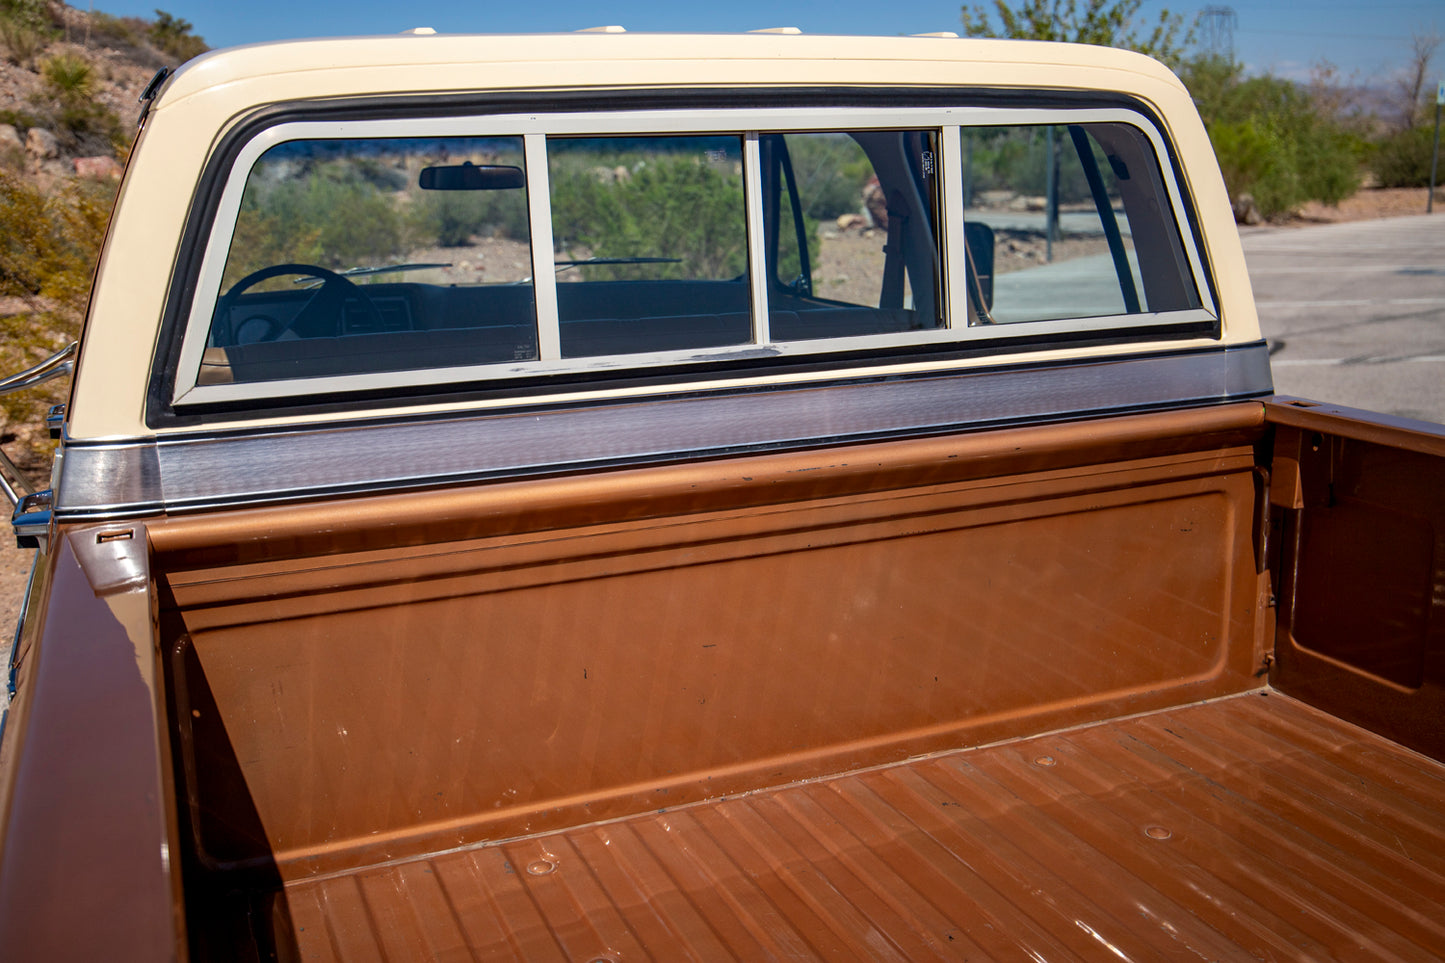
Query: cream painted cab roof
[[440, 61]]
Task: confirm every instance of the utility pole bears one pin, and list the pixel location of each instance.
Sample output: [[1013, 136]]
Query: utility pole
[[1435, 153], [1051, 194]]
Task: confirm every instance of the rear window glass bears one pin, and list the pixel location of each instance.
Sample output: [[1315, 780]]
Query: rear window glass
[[650, 243], [409, 253], [851, 232], [1057, 200], [340, 247]]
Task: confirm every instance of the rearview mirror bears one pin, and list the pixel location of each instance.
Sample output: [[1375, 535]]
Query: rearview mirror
[[472, 177]]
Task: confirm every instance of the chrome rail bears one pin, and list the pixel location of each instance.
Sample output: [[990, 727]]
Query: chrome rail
[[31, 515], [57, 365]]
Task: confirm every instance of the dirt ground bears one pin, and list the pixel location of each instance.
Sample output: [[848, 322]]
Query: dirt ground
[[1368, 205], [848, 263]]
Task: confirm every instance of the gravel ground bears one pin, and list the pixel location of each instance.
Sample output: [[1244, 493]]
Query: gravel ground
[[849, 255]]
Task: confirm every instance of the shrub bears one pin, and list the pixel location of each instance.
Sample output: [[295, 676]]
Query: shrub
[[672, 207], [328, 216], [451, 218], [1403, 158], [22, 43], [81, 121], [69, 78], [48, 247], [831, 170], [1273, 141], [117, 31], [1016, 159], [48, 244], [173, 35], [20, 120], [31, 14]]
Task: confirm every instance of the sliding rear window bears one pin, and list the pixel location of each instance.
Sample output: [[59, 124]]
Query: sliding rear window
[[408, 255], [1058, 201]]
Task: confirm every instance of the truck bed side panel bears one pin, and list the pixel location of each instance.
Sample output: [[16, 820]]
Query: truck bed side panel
[[1359, 501]]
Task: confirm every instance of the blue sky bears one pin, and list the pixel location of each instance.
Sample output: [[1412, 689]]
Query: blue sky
[[1365, 40]]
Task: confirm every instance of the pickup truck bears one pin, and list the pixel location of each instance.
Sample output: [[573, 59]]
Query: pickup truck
[[609, 496]]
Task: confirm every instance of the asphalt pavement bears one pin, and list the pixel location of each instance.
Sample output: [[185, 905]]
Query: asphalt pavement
[[1355, 313]]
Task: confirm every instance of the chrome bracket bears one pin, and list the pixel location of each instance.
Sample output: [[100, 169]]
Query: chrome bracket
[[31, 520]]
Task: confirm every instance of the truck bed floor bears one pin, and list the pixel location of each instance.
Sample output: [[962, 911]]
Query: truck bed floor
[[1248, 827]]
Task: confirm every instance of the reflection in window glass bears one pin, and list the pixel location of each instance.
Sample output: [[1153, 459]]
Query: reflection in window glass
[[354, 256], [1079, 223], [650, 238], [862, 206]]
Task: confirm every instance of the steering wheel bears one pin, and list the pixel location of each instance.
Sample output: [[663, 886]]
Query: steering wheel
[[322, 316]]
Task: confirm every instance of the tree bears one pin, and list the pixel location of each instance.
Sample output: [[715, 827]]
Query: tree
[[1411, 83], [1276, 141], [1109, 23], [173, 35]]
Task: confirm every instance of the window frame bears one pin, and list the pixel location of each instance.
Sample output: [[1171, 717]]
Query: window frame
[[534, 128]]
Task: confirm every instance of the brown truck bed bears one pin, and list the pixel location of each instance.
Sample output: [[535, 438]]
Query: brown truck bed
[[1246, 827]]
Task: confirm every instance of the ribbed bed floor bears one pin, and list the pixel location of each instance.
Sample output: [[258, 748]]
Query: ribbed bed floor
[[1249, 827]]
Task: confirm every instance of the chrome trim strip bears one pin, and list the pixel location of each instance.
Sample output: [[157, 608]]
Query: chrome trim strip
[[180, 473], [109, 480], [12, 668]]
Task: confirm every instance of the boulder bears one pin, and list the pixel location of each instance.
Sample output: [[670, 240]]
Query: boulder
[[98, 168], [41, 143], [1246, 211], [10, 139]]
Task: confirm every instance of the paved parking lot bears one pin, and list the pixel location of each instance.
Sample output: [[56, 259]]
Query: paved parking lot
[[1355, 312]]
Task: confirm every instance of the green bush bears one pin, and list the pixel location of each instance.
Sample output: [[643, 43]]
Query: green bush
[[173, 35], [1403, 159], [26, 28], [20, 120], [81, 121], [117, 31], [1016, 159], [451, 218], [48, 247], [789, 264], [830, 170], [48, 243], [22, 43], [68, 78], [1273, 142], [672, 207], [32, 14], [330, 216]]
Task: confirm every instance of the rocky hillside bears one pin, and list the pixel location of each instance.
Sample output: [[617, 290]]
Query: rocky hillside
[[70, 83]]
